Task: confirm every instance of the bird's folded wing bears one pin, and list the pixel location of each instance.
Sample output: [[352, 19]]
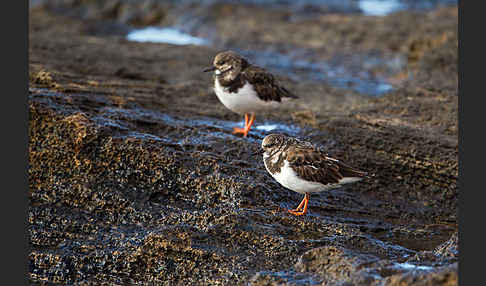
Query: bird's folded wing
[[316, 166], [265, 84]]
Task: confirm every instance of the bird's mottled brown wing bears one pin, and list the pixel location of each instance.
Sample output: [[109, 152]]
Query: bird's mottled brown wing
[[314, 165], [265, 84]]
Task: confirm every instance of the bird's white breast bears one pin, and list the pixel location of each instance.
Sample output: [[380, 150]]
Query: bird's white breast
[[245, 100], [289, 179]]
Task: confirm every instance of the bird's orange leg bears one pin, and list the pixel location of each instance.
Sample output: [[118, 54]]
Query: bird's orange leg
[[299, 210], [237, 130], [248, 124], [299, 207]]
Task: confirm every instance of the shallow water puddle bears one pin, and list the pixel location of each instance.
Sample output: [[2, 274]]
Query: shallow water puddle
[[293, 278], [385, 7], [164, 35], [204, 125], [409, 266], [260, 130], [275, 127], [380, 7]]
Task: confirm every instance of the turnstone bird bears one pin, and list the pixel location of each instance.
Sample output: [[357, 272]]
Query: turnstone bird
[[245, 88], [305, 168]]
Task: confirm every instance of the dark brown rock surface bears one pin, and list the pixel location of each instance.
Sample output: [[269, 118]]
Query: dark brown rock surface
[[135, 177]]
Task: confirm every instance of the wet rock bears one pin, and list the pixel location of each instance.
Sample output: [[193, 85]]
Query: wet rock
[[444, 276], [136, 13], [336, 264], [444, 254], [449, 248], [331, 265]]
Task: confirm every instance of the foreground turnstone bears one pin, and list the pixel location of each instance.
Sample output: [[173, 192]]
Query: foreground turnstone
[[245, 88], [305, 168]]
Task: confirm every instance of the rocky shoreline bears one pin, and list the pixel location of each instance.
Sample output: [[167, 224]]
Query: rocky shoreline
[[135, 177]]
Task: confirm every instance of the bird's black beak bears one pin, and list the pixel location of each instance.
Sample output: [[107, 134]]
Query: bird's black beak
[[209, 69], [258, 152]]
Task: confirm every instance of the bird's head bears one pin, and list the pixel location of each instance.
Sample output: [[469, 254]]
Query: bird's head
[[228, 65], [272, 143]]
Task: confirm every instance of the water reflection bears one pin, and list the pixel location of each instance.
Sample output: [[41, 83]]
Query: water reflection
[[164, 35], [379, 7]]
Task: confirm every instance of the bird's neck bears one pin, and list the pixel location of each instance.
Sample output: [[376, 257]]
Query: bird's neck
[[274, 162], [230, 84]]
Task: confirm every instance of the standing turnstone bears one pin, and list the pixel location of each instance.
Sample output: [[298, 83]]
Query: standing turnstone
[[304, 168], [245, 88]]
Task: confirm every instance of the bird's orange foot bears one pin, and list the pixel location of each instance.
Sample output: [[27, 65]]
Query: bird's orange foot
[[302, 208], [248, 124], [297, 212], [237, 130]]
